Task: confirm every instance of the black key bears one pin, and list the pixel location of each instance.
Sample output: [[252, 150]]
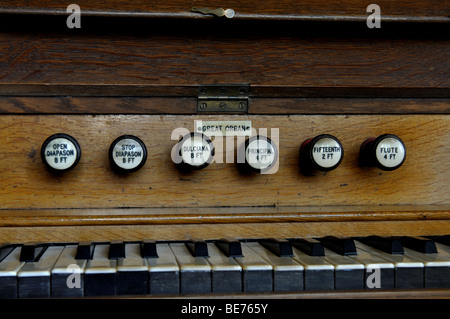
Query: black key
[[198, 248], [281, 248], [309, 247], [32, 252], [116, 250], [84, 251], [421, 245], [148, 249], [230, 247], [342, 246], [388, 245], [445, 240]]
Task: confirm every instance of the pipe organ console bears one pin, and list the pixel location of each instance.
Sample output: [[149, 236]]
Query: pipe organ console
[[283, 148]]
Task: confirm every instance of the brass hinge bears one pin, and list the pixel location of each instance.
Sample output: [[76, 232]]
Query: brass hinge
[[219, 12], [223, 99]]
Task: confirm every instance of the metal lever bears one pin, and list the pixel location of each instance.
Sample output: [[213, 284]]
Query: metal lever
[[219, 12]]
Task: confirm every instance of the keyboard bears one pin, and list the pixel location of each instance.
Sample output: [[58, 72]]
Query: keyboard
[[223, 266]]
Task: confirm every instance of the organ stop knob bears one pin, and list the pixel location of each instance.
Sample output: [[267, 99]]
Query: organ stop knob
[[127, 154], [261, 154], [60, 152], [196, 151], [323, 152], [387, 152]]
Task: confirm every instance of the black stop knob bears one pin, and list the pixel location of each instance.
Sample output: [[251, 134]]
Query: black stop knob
[[194, 151], [260, 154], [387, 152], [323, 152], [127, 154], [60, 152]]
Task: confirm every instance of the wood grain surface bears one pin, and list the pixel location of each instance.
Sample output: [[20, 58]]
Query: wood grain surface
[[25, 183], [409, 10], [146, 61], [188, 105], [101, 233]]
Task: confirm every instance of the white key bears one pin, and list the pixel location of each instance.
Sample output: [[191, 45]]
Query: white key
[[409, 272], [369, 260], [349, 273], [132, 277], [257, 272], [277, 263], [100, 269], [441, 259], [133, 260], [44, 266], [251, 261], [220, 262], [67, 274], [100, 264], [443, 250], [195, 272], [437, 266], [186, 261], [287, 272], [402, 261], [341, 262], [34, 277], [10, 266], [318, 273], [380, 273], [164, 271], [311, 262], [66, 260], [226, 273], [166, 261]]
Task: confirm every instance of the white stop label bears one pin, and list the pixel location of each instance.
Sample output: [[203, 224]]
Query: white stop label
[[390, 152], [60, 153], [326, 152], [128, 154], [260, 154], [195, 150]]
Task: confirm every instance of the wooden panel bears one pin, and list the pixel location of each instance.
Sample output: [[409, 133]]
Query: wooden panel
[[217, 231], [219, 215], [124, 105], [422, 180], [409, 10], [155, 105], [147, 61]]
